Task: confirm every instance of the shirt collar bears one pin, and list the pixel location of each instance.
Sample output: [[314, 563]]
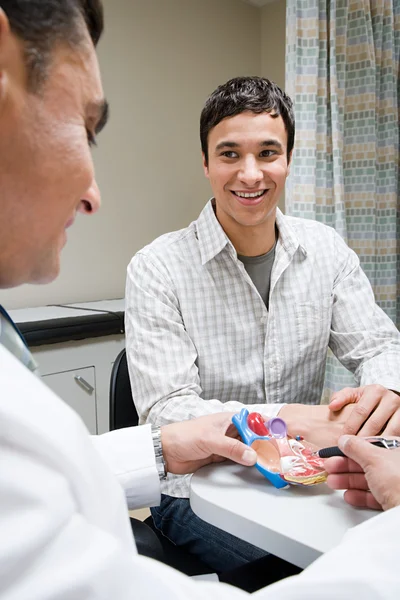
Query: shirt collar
[[213, 239], [287, 235], [12, 339]]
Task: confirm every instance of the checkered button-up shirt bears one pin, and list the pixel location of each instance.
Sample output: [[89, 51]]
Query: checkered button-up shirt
[[201, 340]]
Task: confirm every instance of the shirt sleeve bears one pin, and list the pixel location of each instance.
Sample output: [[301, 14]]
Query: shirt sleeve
[[161, 355], [362, 336], [129, 453]]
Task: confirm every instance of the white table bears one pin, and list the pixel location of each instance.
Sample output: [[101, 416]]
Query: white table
[[297, 524]]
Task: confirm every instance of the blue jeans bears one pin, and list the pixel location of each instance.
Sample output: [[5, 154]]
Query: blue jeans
[[218, 549]]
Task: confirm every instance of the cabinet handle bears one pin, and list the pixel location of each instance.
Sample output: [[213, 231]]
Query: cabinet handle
[[83, 383]]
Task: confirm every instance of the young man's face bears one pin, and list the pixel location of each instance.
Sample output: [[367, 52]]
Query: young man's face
[[247, 168], [46, 169]]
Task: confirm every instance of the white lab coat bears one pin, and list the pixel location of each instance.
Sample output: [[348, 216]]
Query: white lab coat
[[64, 529]]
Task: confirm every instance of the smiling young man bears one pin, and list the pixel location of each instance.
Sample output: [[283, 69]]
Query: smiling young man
[[241, 307]]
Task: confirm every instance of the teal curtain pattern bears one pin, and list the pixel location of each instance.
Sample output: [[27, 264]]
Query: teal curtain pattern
[[342, 72]]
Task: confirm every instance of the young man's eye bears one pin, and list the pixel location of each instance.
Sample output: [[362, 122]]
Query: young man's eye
[[267, 153], [229, 154], [91, 138]]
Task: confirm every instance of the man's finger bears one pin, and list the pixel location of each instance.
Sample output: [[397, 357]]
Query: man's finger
[[361, 499], [359, 450], [345, 481], [377, 420], [393, 426], [234, 450], [360, 413], [342, 398], [338, 464]]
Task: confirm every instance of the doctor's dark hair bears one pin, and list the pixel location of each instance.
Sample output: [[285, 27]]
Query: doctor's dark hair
[[253, 94], [42, 24]]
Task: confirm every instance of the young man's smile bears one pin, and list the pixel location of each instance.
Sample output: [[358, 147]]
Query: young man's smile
[[252, 198]]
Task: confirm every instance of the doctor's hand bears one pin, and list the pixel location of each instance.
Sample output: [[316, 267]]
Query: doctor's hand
[[376, 410], [189, 445], [370, 475]]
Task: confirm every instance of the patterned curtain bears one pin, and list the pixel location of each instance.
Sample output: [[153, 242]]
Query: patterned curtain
[[342, 71]]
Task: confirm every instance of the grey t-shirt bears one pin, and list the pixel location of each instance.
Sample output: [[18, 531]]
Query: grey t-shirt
[[259, 270]]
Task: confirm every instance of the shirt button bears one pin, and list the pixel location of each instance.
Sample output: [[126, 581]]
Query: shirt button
[[263, 320]]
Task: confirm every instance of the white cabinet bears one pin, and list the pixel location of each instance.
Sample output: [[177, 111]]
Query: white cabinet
[[90, 359], [78, 371], [78, 389]]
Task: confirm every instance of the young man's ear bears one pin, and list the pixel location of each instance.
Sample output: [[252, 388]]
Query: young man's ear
[[205, 165]]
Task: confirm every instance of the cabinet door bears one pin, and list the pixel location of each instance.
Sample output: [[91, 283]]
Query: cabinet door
[[77, 388]]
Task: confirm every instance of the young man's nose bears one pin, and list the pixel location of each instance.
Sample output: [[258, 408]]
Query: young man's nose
[[91, 201], [250, 171]]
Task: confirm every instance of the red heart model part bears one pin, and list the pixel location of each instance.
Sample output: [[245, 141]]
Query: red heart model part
[[256, 424]]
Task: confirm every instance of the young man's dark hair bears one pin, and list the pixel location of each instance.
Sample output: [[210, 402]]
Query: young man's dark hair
[[255, 94], [41, 24]]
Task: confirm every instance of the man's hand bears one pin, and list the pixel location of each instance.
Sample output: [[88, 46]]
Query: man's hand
[[317, 424], [370, 475], [376, 410], [189, 445]]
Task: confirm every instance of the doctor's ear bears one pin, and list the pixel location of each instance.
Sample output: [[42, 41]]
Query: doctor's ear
[[5, 34], [4, 24], [13, 71]]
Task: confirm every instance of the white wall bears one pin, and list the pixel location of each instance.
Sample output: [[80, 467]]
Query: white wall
[[273, 43], [160, 59]]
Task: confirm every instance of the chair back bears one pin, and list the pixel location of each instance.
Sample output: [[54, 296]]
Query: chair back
[[122, 408]]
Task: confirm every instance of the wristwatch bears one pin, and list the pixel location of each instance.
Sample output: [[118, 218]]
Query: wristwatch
[[158, 451]]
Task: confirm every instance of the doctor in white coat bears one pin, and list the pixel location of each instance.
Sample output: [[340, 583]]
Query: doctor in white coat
[[64, 528]]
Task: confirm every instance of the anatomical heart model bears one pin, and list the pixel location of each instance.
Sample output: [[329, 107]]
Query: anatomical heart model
[[280, 458]]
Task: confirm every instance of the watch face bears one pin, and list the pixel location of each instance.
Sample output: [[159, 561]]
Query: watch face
[[157, 444]]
